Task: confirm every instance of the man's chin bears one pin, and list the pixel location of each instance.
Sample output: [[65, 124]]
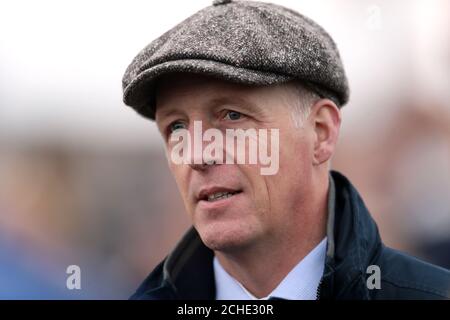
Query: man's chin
[[224, 240]]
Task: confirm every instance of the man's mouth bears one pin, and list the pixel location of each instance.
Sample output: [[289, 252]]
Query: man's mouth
[[217, 194], [220, 195]]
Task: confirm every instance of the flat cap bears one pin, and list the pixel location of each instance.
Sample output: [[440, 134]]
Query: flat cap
[[245, 42]]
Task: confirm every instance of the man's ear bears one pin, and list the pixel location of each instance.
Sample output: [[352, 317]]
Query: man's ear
[[325, 119]]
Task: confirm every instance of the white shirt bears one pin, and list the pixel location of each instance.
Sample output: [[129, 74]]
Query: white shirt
[[301, 283]]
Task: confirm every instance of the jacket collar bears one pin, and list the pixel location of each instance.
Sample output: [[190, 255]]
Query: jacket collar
[[353, 242], [356, 243]]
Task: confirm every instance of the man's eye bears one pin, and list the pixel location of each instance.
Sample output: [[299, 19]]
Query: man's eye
[[233, 115], [176, 126]]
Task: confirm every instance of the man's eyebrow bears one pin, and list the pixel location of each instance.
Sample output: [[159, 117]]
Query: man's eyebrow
[[216, 102], [237, 101], [164, 113]]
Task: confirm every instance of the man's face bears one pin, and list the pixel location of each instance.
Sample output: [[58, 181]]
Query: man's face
[[262, 207]]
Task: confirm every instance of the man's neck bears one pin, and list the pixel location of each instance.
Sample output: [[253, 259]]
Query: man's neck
[[262, 274]]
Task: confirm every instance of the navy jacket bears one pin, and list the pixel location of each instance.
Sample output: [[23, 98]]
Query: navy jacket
[[353, 245]]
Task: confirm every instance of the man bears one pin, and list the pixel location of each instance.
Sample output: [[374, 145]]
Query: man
[[296, 232]]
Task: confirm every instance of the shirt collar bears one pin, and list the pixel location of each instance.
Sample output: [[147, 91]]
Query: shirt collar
[[301, 283]]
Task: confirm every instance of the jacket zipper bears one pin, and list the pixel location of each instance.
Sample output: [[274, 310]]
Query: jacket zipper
[[319, 289]]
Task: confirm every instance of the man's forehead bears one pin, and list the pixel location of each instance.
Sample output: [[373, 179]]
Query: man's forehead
[[208, 103], [183, 88]]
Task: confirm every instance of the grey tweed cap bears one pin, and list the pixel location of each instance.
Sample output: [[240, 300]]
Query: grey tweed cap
[[245, 42]]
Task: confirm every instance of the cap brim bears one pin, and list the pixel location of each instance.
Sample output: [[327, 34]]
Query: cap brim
[[140, 92]]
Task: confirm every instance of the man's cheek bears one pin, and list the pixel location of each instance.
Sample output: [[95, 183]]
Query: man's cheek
[[181, 181]]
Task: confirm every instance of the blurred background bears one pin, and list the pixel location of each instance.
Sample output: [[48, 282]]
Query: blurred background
[[84, 179]]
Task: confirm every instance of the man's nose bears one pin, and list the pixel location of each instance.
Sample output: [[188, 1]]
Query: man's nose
[[204, 165], [200, 161]]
